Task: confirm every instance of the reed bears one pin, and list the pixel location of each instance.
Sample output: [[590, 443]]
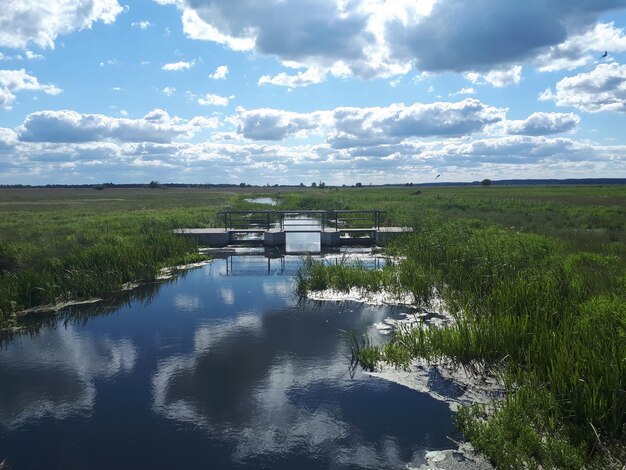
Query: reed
[[537, 308]]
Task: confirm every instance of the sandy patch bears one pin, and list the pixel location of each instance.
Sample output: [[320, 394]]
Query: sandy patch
[[56, 307]]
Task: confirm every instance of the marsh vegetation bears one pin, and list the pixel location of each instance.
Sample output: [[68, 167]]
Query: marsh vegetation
[[537, 297], [534, 276]]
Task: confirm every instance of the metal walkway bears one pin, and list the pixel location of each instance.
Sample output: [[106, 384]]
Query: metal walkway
[[336, 227]]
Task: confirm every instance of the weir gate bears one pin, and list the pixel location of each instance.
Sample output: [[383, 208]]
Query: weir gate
[[270, 228]]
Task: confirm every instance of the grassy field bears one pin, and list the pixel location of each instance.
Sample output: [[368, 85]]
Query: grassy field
[[535, 276]]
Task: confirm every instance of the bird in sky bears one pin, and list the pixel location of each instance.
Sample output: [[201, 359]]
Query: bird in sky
[[437, 176], [606, 53]]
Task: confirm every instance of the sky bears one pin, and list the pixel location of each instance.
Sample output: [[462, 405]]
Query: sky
[[301, 91]]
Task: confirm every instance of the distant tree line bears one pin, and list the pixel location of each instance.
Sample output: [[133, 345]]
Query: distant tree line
[[321, 184]]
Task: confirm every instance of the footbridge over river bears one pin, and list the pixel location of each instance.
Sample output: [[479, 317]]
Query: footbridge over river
[[270, 228]]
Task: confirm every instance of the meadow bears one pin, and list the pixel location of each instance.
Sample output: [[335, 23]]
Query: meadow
[[535, 277]]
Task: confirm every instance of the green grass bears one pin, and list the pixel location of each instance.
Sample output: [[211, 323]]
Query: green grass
[[536, 279], [73, 244], [535, 276]]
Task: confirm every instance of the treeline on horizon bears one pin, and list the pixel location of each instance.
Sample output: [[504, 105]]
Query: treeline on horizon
[[153, 184]]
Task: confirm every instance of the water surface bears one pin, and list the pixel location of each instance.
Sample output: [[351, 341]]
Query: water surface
[[222, 368], [262, 200]]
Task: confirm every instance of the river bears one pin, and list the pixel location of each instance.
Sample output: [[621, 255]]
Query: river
[[222, 367]]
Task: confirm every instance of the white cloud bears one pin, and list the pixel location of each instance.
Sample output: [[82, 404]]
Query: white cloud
[[14, 81], [497, 78], [310, 76], [110, 62], [388, 38], [275, 124], [177, 66], [463, 159], [8, 138], [142, 24], [30, 55], [40, 21], [583, 48], [213, 100], [544, 124], [352, 127], [168, 91], [602, 89], [374, 126], [70, 126], [220, 73], [327, 34], [464, 91]]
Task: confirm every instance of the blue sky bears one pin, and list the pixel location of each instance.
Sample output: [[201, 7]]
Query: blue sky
[[290, 91]]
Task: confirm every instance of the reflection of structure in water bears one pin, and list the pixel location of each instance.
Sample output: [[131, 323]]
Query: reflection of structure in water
[[259, 261], [255, 269]]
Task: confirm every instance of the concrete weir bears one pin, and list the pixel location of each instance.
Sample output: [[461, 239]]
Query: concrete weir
[[268, 228]]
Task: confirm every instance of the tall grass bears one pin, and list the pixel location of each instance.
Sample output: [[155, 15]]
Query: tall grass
[[318, 275], [62, 245], [550, 318], [100, 268]]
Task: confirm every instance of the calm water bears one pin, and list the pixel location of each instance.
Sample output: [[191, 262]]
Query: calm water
[[220, 368], [262, 200]]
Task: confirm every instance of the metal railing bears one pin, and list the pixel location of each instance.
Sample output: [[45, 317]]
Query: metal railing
[[312, 220], [357, 219]]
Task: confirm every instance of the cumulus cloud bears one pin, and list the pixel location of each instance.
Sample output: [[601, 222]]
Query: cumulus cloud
[[72, 127], [274, 124], [513, 149], [485, 34], [602, 89], [498, 78], [351, 126], [304, 33], [220, 73], [8, 138], [213, 100], [583, 48], [310, 76], [168, 91], [177, 66], [544, 124], [30, 55], [40, 21], [14, 81], [458, 158], [385, 38]]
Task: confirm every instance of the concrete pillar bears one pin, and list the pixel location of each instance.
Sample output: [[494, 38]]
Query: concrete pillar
[[274, 237], [330, 238]]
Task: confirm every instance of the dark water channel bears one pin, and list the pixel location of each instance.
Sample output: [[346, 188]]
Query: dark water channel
[[220, 368]]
